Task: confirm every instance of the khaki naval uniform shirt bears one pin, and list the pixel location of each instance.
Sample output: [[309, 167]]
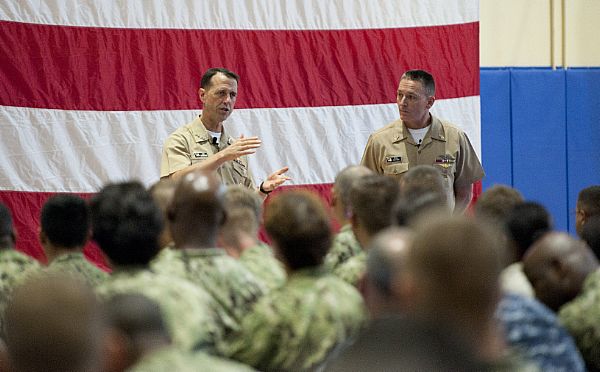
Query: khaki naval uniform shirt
[[192, 143], [392, 151]]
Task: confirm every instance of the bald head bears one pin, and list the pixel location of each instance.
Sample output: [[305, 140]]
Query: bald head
[[557, 265], [54, 324], [385, 264], [196, 211], [341, 189]]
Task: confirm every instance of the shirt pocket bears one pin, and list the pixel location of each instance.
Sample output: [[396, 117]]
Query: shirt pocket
[[395, 169]]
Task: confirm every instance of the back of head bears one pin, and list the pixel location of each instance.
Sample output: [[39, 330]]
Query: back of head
[[424, 77], [299, 227], [7, 233], [344, 180], [421, 180], [409, 209], [557, 265], [140, 324], [526, 223], [372, 199], [54, 324], [65, 221], [162, 192], [497, 202], [126, 223], [385, 263], [196, 211], [455, 262]]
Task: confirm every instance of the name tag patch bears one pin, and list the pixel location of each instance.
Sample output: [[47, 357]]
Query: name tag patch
[[200, 155], [393, 159]]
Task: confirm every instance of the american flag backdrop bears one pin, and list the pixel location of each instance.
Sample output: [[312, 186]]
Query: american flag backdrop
[[90, 89]]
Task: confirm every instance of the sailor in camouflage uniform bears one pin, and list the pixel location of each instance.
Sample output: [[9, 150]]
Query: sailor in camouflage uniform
[[65, 228], [127, 224], [12, 262], [372, 199], [194, 216], [314, 315], [344, 244], [239, 236]]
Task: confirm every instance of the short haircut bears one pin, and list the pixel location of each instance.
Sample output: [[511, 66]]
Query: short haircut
[[206, 80], [424, 77], [6, 222], [526, 223], [54, 323], [136, 316], [65, 220], [589, 200], [243, 210], [591, 234], [162, 192], [385, 260], [126, 223], [299, 225], [441, 247], [408, 209], [372, 199], [497, 202], [423, 179], [345, 178]]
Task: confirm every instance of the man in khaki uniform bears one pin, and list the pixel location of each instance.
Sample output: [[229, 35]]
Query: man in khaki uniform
[[204, 144], [421, 138]]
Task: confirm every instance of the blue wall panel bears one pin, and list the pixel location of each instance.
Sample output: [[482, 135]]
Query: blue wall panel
[[496, 138], [583, 132], [539, 139]]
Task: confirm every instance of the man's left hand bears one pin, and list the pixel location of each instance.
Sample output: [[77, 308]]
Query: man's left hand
[[275, 179]]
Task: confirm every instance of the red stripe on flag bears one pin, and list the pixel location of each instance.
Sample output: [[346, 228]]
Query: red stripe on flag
[[89, 68]]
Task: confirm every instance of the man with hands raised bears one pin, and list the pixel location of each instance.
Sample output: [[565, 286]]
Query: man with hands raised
[[204, 144]]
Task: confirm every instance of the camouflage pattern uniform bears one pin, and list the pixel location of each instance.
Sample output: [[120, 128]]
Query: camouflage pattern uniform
[[344, 247], [352, 270], [580, 317], [76, 264], [297, 327], [12, 266], [259, 260], [177, 360], [189, 311], [230, 284]]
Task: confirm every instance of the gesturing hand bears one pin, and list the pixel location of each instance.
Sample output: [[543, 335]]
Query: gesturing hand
[[274, 180], [240, 147]]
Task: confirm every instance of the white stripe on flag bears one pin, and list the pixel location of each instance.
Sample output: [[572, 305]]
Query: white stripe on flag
[[79, 151], [243, 14]]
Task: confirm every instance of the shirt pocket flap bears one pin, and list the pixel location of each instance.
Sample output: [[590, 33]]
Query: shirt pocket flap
[[395, 169]]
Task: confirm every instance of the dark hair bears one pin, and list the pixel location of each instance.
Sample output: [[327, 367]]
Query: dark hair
[[497, 202], [526, 223], [6, 222], [205, 82], [136, 316], [65, 220], [126, 223], [424, 77], [408, 209], [591, 234], [589, 200], [372, 199], [299, 225]]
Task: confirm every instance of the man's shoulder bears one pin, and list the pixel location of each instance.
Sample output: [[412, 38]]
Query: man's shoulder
[[391, 128]]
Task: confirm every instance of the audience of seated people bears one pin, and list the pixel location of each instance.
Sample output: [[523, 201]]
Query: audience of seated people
[[193, 288]]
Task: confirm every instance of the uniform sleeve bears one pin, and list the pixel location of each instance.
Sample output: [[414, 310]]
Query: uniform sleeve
[[468, 167], [175, 156], [369, 158]]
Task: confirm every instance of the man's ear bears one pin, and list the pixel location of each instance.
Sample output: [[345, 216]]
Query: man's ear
[[430, 101], [201, 94]]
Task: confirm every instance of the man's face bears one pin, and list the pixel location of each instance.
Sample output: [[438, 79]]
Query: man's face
[[579, 219], [219, 98], [413, 103]]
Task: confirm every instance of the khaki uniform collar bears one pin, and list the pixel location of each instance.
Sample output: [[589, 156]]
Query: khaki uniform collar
[[436, 132], [200, 133]]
